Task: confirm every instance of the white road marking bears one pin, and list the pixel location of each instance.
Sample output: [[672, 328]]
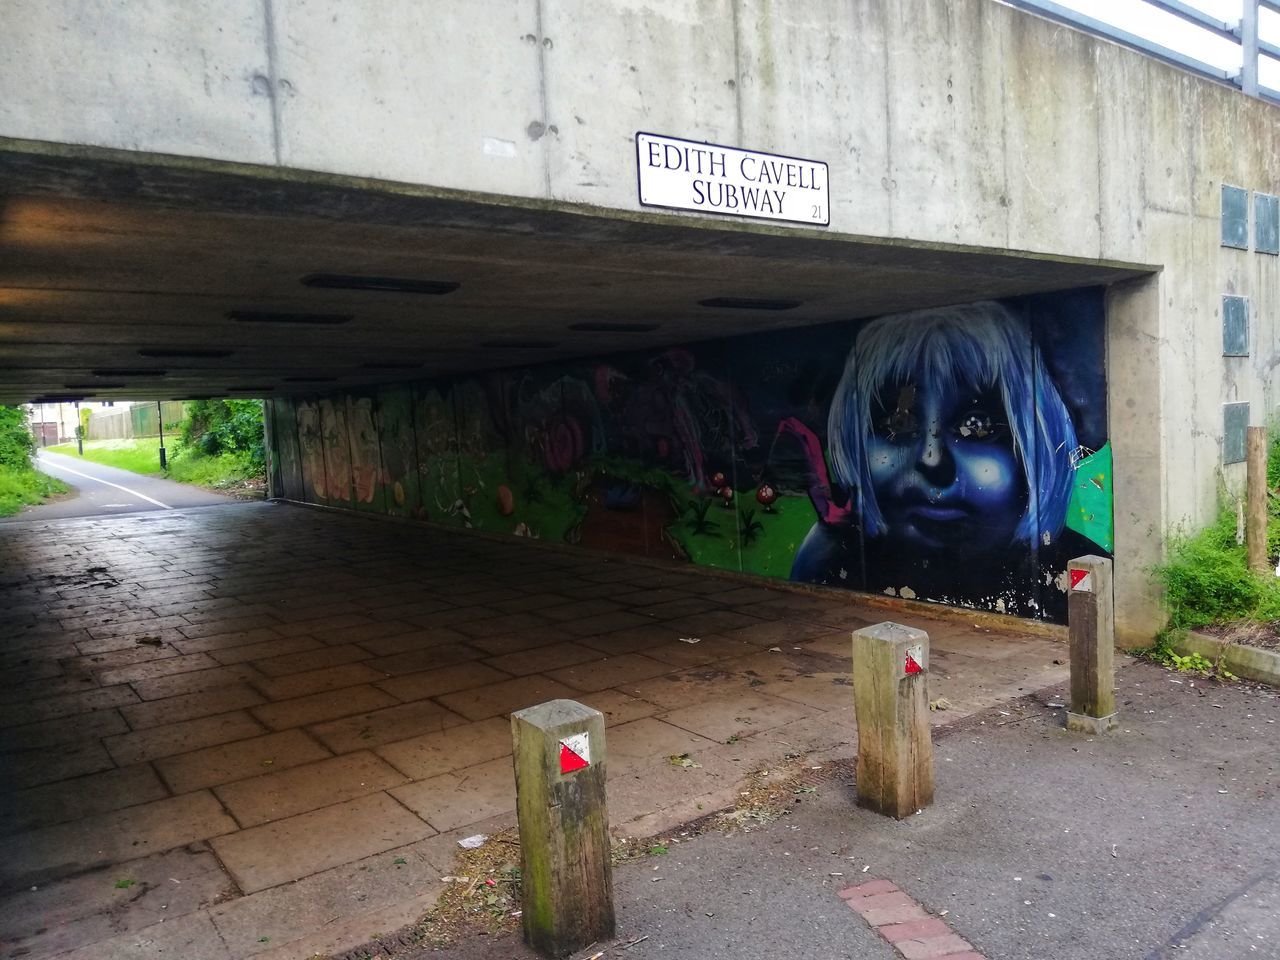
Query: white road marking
[[141, 496]]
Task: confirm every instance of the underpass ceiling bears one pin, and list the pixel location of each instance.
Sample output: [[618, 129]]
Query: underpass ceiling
[[106, 257]]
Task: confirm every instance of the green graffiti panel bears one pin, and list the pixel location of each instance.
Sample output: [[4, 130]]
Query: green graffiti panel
[[1090, 511], [436, 432], [336, 446], [394, 415], [311, 452], [367, 478]]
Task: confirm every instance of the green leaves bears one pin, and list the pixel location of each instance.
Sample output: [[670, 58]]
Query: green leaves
[[16, 443], [225, 426]]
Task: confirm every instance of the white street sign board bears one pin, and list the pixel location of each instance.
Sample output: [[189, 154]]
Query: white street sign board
[[710, 178]]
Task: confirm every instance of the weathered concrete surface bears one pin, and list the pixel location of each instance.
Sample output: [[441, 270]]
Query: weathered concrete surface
[[1154, 843], [1251, 663], [316, 697]]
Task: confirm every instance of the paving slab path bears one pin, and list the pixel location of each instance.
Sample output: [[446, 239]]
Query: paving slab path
[[260, 730]]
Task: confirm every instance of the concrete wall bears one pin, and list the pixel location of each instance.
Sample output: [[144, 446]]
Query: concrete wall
[[943, 121]]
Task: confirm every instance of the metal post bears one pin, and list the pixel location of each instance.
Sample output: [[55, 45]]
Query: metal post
[[164, 462], [891, 701], [79, 431], [567, 872], [44, 441], [1090, 619], [1249, 48]]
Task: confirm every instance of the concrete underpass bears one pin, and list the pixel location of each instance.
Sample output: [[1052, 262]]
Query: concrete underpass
[[265, 702], [533, 435]]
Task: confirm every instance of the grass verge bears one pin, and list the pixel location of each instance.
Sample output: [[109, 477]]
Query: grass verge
[[19, 488], [186, 464]]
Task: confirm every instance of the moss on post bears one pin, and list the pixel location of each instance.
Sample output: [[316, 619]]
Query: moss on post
[[567, 874]]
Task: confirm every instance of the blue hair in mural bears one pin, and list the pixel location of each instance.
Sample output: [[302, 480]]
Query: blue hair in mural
[[953, 410]]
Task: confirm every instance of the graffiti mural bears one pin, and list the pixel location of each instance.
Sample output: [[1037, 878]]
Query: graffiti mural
[[956, 455], [398, 444]]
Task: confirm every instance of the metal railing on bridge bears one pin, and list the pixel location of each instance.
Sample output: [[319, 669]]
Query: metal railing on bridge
[[1243, 32]]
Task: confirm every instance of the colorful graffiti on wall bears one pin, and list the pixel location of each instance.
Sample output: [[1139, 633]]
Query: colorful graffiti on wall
[[957, 455]]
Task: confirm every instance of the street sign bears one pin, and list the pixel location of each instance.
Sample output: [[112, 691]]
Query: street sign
[[710, 178], [575, 753]]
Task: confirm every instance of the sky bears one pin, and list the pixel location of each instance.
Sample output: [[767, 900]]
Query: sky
[[1138, 17]]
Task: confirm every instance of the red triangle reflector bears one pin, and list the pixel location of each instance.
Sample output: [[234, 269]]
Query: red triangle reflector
[[912, 666], [570, 761]]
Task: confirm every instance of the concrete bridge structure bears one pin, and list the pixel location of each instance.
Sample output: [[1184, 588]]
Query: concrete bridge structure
[[188, 189]]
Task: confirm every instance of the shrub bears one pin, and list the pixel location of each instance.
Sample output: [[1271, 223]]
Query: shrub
[[16, 442], [216, 427], [1206, 579]]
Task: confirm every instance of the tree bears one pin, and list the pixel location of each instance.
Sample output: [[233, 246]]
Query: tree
[[16, 442]]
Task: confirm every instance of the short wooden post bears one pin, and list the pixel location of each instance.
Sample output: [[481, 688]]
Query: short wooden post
[[1093, 644], [567, 873], [891, 700], [1255, 527]]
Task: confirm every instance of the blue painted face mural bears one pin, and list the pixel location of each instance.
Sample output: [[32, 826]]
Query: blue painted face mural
[[943, 467]]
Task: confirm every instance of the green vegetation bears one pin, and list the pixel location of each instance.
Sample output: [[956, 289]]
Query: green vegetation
[[186, 464], [219, 445], [219, 428], [136, 456], [1206, 579], [20, 484]]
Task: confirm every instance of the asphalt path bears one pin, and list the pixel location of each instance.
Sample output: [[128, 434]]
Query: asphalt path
[[1158, 842], [108, 491]]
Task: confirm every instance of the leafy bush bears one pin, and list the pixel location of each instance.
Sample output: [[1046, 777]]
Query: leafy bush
[[16, 442], [216, 427], [1206, 579]]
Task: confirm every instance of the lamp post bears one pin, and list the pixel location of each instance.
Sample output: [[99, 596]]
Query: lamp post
[[79, 431], [164, 463]]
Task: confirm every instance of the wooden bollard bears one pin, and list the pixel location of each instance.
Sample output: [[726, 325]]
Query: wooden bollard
[[891, 700], [1255, 524], [1093, 643], [567, 873]]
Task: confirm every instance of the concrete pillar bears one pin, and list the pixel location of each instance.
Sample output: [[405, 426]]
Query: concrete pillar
[[891, 700], [1137, 434], [567, 872], [1093, 642]]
